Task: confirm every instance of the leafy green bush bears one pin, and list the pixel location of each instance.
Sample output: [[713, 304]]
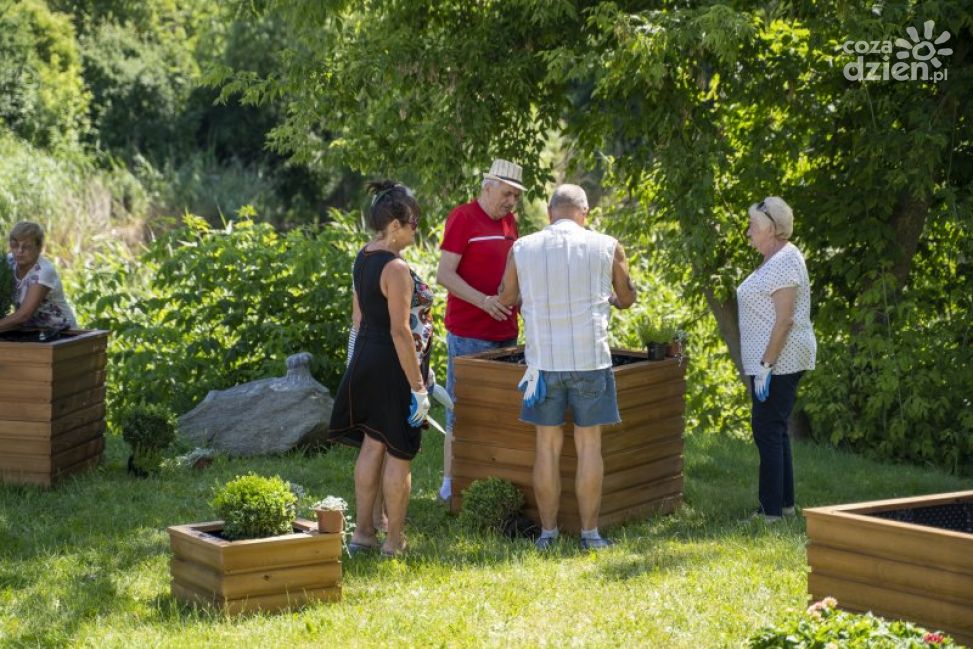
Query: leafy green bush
[[149, 429], [254, 507], [207, 309], [824, 626], [489, 504], [42, 94], [140, 85]]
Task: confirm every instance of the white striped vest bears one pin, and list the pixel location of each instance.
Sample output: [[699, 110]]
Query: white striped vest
[[565, 277]]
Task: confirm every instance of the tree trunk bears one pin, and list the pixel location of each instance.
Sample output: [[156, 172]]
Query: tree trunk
[[725, 312]]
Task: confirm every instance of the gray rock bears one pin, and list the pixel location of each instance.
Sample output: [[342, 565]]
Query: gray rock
[[262, 417]]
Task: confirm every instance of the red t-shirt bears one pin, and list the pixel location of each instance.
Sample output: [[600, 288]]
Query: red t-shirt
[[483, 245]]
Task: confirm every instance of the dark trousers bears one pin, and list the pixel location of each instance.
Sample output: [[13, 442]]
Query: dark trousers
[[768, 420]]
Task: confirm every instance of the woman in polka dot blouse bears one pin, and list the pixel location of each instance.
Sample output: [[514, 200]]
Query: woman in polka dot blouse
[[777, 345]]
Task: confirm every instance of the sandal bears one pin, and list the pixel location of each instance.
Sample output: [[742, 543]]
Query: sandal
[[360, 548]]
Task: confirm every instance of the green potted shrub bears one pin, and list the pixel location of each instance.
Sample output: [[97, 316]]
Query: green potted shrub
[[149, 429], [259, 556], [255, 507], [495, 505], [656, 333]]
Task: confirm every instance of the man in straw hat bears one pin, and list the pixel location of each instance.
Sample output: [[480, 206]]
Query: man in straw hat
[[478, 237]]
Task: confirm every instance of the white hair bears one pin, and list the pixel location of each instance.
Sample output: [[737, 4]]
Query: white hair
[[778, 212], [568, 195]]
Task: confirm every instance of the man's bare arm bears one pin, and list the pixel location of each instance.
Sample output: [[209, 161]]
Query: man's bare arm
[[622, 284], [509, 290], [447, 276]]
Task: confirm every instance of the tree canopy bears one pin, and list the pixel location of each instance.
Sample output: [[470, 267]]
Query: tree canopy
[[690, 111]]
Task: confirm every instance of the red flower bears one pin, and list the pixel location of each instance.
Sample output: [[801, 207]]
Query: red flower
[[933, 638]]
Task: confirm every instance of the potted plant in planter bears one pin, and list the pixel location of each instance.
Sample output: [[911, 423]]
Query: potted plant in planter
[[149, 429], [259, 556], [656, 333], [331, 514]]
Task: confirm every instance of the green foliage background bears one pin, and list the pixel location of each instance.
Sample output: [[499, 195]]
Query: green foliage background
[[117, 118]]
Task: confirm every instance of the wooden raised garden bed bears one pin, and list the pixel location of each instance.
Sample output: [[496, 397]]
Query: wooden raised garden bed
[[271, 574], [908, 558], [52, 406], [642, 455]]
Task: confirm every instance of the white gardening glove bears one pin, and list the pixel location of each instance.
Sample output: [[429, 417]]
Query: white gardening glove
[[532, 385], [761, 381], [438, 392], [418, 408]]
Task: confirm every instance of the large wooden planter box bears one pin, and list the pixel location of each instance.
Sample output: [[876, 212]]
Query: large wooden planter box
[[272, 574], [52, 407], [642, 455], [869, 558]]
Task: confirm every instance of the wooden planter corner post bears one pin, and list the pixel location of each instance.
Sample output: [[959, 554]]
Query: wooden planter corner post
[[52, 407], [642, 455], [271, 574], [898, 570]]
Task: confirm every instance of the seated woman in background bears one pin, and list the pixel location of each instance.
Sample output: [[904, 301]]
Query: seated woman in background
[[38, 295]]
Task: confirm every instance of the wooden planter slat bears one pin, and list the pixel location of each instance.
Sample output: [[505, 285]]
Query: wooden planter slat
[[31, 410], [254, 574], [524, 458], [260, 582], [642, 455], [508, 430], [259, 603], [900, 576], [52, 407], [895, 569], [891, 539], [931, 612]]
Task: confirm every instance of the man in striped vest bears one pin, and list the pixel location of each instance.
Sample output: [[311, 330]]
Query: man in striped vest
[[567, 278]]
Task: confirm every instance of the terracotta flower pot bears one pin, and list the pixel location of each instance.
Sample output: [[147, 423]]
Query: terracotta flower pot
[[330, 521], [674, 349]]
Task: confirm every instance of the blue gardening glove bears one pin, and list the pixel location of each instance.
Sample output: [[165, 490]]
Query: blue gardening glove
[[438, 392], [532, 385], [418, 408], [761, 381]]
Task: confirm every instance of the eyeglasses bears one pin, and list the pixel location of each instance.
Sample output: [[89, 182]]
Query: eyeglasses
[[762, 208], [23, 246]]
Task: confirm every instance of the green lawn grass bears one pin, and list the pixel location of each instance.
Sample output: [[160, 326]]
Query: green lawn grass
[[86, 564]]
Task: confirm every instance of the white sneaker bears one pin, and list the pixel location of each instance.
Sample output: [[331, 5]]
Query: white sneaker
[[789, 511]]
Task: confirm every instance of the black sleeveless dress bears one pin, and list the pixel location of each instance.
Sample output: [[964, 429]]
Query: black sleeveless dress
[[373, 397]]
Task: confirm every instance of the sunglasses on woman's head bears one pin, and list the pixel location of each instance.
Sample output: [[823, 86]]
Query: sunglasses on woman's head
[[762, 208]]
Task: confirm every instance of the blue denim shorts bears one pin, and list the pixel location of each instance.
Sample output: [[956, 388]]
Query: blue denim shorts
[[460, 346], [590, 395]]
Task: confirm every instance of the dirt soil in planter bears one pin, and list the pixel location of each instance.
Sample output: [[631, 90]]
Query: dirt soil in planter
[[219, 534], [617, 359], [17, 336], [957, 517]]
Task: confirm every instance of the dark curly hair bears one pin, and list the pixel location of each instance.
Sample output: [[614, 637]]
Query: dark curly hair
[[390, 201]]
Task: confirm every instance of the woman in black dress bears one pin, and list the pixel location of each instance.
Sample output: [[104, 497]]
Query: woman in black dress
[[382, 399]]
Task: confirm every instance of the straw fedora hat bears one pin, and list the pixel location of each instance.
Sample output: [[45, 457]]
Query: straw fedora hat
[[507, 172]]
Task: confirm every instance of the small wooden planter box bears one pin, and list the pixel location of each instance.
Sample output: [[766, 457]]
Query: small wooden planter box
[[52, 407], [272, 574], [923, 572], [642, 455]]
